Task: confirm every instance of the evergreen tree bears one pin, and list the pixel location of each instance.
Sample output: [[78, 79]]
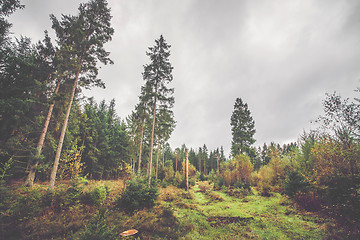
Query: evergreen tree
[[105, 140], [83, 37], [7, 7], [48, 53], [242, 129], [23, 94], [205, 157], [158, 74]]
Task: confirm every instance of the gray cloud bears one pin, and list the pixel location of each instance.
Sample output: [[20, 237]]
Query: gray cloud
[[280, 57]]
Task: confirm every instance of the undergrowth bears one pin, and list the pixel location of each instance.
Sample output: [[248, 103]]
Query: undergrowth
[[88, 210]]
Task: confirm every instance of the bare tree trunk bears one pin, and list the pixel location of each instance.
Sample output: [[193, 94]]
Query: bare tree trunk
[[31, 176], [141, 142], [163, 154], [204, 165], [152, 136], [199, 163], [186, 170], [176, 161], [61, 140], [157, 162], [217, 161]]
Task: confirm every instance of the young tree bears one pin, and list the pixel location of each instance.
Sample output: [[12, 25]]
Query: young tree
[[158, 74], [83, 37], [242, 129]]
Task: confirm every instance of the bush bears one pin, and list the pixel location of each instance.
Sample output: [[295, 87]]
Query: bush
[[294, 183], [179, 180], [239, 190], [28, 204], [310, 201], [99, 194], [158, 223], [4, 195], [219, 183], [202, 177], [73, 193], [97, 228], [137, 195]]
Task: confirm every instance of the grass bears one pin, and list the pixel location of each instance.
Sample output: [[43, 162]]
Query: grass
[[200, 213], [259, 218]]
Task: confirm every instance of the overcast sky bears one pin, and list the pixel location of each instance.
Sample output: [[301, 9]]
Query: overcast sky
[[280, 57]]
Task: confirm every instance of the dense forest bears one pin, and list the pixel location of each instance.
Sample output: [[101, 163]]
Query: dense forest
[[74, 165]]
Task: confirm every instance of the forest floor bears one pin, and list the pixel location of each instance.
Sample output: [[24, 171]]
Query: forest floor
[[200, 213], [216, 215]]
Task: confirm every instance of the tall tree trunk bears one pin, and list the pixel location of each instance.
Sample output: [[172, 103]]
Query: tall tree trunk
[[163, 154], [186, 170], [62, 135], [204, 165], [157, 162], [31, 176], [141, 142], [152, 136], [176, 161], [199, 163], [217, 161]]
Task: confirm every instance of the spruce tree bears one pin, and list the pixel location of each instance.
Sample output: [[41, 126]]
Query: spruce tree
[[157, 75], [242, 129]]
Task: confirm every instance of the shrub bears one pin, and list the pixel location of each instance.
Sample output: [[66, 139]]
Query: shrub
[[137, 195], [215, 197], [158, 223], [202, 177], [73, 193], [4, 195], [219, 182], [168, 174], [237, 169], [71, 165], [97, 228], [204, 187], [294, 183], [99, 194], [28, 204], [179, 180], [309, 201]]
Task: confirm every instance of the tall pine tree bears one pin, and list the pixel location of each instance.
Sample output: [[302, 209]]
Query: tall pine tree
[[242, 129], [83, 36], [157, 75]]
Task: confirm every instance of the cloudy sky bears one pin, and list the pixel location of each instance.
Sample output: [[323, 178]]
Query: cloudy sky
[[280, 57]]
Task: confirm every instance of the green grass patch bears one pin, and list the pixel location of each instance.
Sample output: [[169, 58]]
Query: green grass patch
[[251, 217]]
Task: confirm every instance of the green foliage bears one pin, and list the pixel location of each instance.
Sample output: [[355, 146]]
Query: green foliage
[[202, 177], [70, 166], [28, 204], [98, 228], [99, 194], [4, 198], [239, 169], [242, 129], [137, 195], [4, 169], [294, 183], [159, 222], [73, 194], [179, 180], [106, 141]]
